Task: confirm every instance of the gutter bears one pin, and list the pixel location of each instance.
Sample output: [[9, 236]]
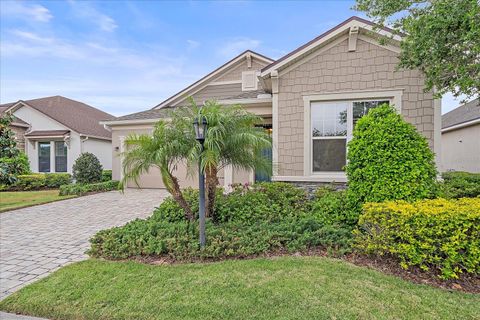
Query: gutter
[[461, 125]]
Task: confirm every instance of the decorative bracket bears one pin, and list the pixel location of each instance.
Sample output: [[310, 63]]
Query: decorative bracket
[[352, 38]]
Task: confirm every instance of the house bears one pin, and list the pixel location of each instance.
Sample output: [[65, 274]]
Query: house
[[461, 138], [310, 98], [54, 131]]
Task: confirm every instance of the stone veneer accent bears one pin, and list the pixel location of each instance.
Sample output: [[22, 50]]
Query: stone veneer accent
[[370, 67], [20, 135]]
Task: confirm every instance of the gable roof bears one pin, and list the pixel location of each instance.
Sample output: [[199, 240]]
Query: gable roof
[[16, 121], [75, 115], [462, 115], [212, 74], [339, 29]]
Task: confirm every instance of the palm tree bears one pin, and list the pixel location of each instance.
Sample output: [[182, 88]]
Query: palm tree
[[232, 139], [169, 145]]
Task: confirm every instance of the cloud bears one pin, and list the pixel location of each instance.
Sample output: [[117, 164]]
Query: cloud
[[86, 11], [238, 45], [192, 44], [26, 11]]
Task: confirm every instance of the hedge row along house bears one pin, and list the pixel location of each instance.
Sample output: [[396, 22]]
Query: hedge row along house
[[54, 131], [310, 100]]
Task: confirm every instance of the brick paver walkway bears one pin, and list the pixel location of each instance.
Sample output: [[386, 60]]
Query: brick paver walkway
[[38, 240]]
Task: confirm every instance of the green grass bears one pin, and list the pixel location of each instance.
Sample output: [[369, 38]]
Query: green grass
[[281, 288], [20, 199]]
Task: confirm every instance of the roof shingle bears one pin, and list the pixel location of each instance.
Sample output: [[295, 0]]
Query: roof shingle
[[467, 112], [75, 115]]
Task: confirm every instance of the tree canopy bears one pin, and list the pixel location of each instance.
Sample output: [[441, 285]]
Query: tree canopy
[[440, 37]]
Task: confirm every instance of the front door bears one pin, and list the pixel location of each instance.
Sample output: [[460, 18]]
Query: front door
[[267, 153]]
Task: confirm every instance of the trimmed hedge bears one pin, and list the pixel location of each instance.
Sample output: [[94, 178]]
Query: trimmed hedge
[[87, 169], [459, 184], [40, 181], [438, 234], [106, 175], [82, 189]]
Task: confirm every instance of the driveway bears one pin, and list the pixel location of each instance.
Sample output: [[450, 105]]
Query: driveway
[[38, 240]]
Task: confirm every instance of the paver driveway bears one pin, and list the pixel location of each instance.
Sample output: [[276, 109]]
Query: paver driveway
[[38, 240]]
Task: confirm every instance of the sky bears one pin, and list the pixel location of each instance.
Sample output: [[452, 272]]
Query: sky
[[128, 56]]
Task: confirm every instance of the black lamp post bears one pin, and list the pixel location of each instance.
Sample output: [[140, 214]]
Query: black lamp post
[[200, 126]]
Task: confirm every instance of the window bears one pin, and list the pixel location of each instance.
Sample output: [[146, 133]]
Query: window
[[329, 134], [60, 156], [44, 156], [332, 124]]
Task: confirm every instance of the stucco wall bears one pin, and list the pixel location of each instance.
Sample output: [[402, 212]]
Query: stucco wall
[[100, 148], [461, 149], [370, 67], [152, 179]]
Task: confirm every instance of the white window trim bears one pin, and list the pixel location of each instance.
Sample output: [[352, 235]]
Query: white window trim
[[393, 95]]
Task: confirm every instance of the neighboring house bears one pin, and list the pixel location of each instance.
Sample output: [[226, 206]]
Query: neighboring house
[[311, 99], [461, 138], [56, 130]]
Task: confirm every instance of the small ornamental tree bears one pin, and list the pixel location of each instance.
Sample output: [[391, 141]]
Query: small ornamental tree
[[87, 169], [13, 162], [388, 159]]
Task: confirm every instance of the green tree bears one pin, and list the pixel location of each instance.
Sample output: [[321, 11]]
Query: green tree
[[440, 37], [170, 144], [232, 139], [13, 162], [388, 159]]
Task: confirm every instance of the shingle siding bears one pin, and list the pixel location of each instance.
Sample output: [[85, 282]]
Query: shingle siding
[[370, 67]]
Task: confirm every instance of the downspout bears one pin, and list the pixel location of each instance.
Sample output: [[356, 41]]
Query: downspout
[[81, 143]]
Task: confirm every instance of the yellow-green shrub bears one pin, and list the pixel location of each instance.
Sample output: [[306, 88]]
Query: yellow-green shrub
[[432, 234]]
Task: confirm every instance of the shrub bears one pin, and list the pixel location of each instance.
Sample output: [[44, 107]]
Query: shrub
[[332, 207], [106, 175], [440, 234], [458, 184], [388, 159], [30, 182], [55, 180], [81, 189], [252, 220], [87, 169], [268, 201]]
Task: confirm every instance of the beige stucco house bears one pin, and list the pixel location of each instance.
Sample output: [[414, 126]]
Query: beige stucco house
[[461, 138], [310, 99], [56, 130]]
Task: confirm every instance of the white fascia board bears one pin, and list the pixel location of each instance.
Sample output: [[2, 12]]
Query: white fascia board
[[245, 101], [112, 123], [461, 125]]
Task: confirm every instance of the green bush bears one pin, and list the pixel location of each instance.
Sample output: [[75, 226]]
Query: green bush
[[435, 234], [87, 169], [268, 201], [82, 189], [106, 175], [251, 220], [179, 240], [55, 180], [459, 184], [30, 182], [388, 159], [332, 207], [12, 167], [39, 181]]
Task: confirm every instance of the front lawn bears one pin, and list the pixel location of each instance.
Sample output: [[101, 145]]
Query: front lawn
[[277, 288], [20, 199]]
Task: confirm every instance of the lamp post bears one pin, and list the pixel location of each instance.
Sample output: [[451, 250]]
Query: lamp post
[[200, 126]]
